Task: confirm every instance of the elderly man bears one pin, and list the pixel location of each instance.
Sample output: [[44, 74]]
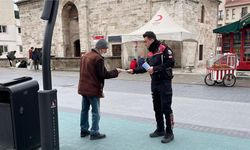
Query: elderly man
[[91, 83]]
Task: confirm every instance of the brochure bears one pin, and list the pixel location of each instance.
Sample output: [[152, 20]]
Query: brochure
[[145, 66]]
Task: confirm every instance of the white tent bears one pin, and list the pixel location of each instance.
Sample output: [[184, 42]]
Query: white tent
[[165, 29], [163, 26]]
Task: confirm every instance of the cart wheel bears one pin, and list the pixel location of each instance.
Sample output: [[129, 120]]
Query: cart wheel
[[229, 80], [208, 80]]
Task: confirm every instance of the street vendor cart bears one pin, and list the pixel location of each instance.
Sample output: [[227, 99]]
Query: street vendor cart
[[221, 69]]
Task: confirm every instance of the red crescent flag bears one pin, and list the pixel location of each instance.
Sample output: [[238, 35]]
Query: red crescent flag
[[160, 18]]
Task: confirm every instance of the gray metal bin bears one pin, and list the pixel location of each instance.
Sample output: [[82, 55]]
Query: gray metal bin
[[19, 114]]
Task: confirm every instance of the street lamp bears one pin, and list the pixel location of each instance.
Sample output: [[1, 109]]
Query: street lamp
[[48, 96]]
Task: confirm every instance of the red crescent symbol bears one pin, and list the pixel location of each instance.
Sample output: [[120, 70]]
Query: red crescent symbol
[[160, 18]]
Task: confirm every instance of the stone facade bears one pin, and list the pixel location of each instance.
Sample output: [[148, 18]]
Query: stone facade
[[67, 64], [84, 19], [4, 62], [72, 64]]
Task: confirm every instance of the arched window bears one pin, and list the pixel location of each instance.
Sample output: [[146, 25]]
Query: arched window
[[202, 13]]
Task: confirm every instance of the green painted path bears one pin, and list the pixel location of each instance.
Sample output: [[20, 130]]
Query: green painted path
[[125, 134]]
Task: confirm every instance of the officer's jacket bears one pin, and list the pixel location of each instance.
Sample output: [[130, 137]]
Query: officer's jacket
[[162, 61]]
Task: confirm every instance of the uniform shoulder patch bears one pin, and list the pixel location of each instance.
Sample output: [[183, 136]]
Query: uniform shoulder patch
[[170, 52]]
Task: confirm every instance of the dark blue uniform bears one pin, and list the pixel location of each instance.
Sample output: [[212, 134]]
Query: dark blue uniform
[[162, 62]]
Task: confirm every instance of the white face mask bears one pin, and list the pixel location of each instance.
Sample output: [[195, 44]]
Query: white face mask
[[102, 51]]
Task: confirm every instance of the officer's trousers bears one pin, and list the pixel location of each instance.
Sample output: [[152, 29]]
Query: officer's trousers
[[162, 101]]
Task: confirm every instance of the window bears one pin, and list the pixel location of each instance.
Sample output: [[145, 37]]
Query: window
[[116, 49], [115, 39], [220, 15], [20, 48], [227, 14], [219, 25], [16, 14], [243, 11], [202, 13], [200, 52], [233, 13], [226, 43], [246, 56], [1, 50], [219, 41], [4, 48], [3, 29], [19, 30], [237, 43]]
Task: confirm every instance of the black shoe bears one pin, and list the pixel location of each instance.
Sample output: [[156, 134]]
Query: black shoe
[[97, 136], [168, 137], [85, 133], [156, 133]]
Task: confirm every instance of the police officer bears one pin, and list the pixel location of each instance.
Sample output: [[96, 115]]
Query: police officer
[[161, 61]]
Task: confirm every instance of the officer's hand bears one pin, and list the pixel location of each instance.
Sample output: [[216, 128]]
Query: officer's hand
[[131, 71], [150, 70]]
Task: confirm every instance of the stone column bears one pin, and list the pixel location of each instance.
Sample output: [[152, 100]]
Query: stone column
[[84, 26]]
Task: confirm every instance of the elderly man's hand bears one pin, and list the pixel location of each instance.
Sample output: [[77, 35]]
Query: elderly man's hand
[[131, 71], [150, 70], [119, 70]]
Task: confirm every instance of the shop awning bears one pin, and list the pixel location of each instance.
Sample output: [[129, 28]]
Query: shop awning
[[232, 27], [245, 21], [235, 26]]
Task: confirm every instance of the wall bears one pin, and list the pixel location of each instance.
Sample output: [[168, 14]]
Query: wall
[[116, 17], [7, 12], [32, 25], [4, 62], [69, 64], [8, 19], [237, 13], [73, 64], [204, 31]]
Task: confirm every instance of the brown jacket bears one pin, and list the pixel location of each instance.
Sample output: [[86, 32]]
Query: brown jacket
[[92, 74]]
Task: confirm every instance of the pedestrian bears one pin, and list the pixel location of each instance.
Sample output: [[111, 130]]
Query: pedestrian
[[133, 64], [23, 64], [91, 83], [161, 61], [40, 54], [30, 57], [11, 57], [35, 58]]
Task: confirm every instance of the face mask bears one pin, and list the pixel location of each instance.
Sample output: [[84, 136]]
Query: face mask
[[154, 46]]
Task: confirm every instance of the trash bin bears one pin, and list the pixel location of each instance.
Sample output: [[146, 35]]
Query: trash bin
[[19, 114]]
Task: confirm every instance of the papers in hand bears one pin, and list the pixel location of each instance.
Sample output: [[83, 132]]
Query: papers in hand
[[121, 70], [145, 66]]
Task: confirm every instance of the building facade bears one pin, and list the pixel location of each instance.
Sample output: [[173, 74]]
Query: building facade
[[221, 13], [10, 29], [81, 22], [231, 11], [235, 10]]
